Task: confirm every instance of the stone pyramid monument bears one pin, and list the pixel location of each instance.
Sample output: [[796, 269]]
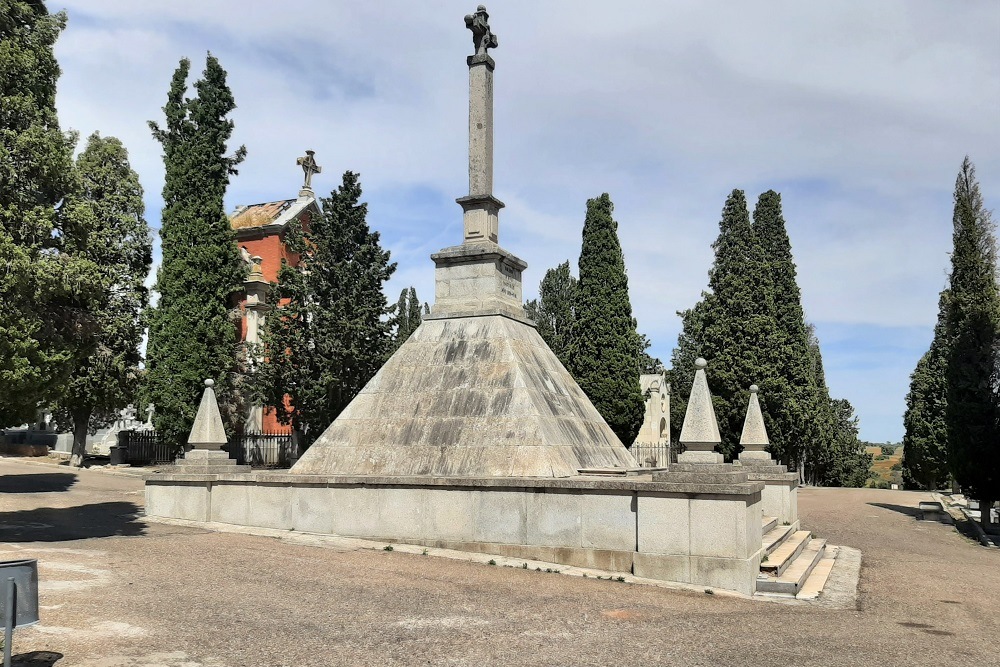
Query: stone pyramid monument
[[475, 391]]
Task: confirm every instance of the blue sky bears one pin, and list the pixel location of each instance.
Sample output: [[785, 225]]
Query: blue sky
[[859, 112]]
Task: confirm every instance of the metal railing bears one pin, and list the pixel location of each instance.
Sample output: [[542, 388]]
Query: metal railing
[[263, 450], [652, 455], [140, 448]]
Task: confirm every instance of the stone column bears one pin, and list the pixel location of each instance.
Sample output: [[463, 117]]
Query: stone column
[[481, 208], [256, 307]]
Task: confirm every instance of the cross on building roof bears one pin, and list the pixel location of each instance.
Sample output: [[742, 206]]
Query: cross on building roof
[[309, 167]]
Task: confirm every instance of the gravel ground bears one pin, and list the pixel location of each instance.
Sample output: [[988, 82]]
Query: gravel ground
[[120, 592]]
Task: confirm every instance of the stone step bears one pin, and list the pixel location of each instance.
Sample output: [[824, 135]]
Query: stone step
[[767, 524], [775, 537], [816, 580], [791, 580], [783, 556]]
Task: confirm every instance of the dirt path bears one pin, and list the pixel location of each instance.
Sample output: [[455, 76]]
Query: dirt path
[[119, 592]]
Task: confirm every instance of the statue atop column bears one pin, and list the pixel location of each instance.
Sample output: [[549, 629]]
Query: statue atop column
[[482, 37], [480, 207]]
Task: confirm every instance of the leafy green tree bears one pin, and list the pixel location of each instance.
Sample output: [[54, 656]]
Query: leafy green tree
[[553, 311], [925, 441], [331, 336], [105, 224], [973, 329], [46, 290], [406, 317], [193, 331], [603, 347]]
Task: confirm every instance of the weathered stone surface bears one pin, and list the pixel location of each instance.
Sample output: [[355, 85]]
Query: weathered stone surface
[[475, 396], [702, 538], [470, 279]]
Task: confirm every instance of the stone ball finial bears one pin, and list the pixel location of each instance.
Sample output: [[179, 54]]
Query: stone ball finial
[[209, 383], [700, 362], [754, 389]]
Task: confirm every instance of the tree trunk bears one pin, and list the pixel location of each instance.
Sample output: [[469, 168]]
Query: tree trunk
[[986, 518], [81, 422]]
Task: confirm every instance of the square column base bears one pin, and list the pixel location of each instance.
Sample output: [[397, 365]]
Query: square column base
[[700, 457]]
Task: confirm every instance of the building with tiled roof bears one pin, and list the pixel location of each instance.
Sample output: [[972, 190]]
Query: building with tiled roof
[[260, 231]]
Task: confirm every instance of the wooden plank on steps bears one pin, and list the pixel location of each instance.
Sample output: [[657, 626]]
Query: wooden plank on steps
[[782, 557]]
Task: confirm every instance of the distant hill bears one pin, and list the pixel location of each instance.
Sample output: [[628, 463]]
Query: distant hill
[[887, 461]]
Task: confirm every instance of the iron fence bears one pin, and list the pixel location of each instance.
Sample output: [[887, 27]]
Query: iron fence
[[263, 450], [652, 455], [140, 448]]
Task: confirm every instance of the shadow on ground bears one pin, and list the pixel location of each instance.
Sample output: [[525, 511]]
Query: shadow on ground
[[46, 482], [58, 524], [902, 509], [36, 659]]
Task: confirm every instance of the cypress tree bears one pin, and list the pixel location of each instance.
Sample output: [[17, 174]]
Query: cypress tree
[[839, 459], [332, 329], [406, 318], [925, 450], [193, 331], [793, 396], [973, 326], [603, 342], [106, 225], [731, 327], [46, 289], [553, 311]]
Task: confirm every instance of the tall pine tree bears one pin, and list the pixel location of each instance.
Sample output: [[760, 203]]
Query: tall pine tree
[[973, 326], [925, 439], [603, 347], [192, 330], [106, 225], [553, 311], [330, 335], [46, 289]]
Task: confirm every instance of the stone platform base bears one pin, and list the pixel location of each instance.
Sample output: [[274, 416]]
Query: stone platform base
[[781, 494], [708, 535]]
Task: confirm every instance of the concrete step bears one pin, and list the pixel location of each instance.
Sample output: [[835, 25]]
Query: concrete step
[[816, 580], [782, 557], [767, 524], [775, 537], [791, 580]]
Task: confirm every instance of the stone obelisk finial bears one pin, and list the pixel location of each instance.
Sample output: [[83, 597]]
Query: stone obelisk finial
[[700, 432], [754, 436], [207, 431], [480, 206]]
